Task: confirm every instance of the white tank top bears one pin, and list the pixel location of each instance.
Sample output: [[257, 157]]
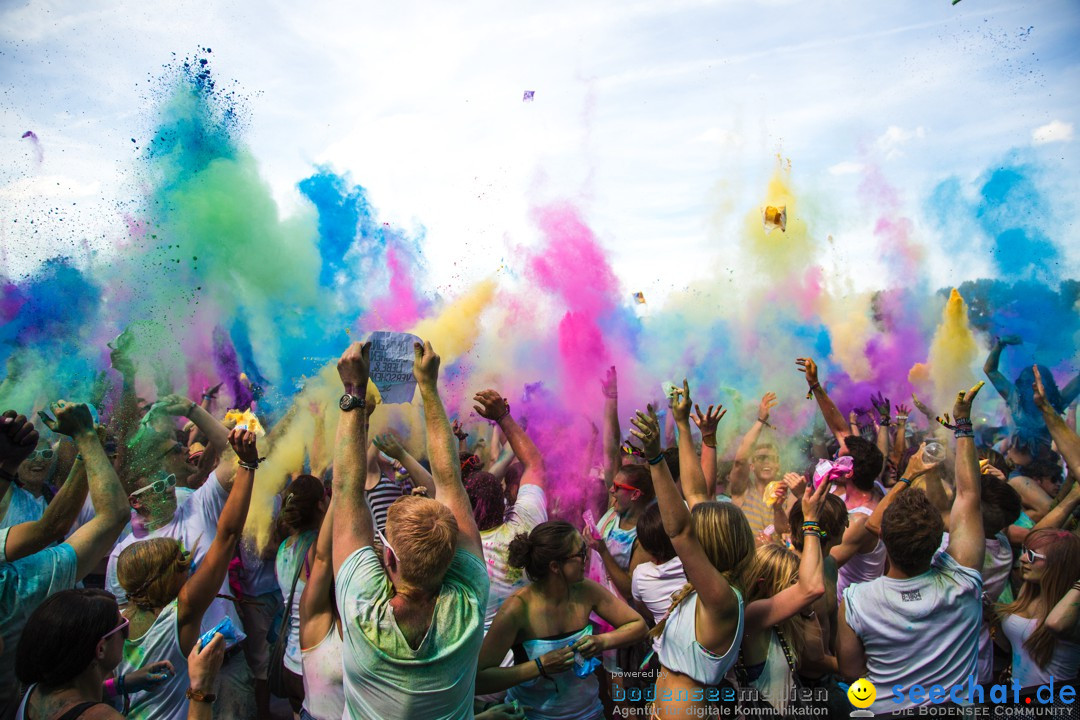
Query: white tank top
[[681, 652], [1063, 663], [564, 696], [324, 687], [863, 567], [167, 701]]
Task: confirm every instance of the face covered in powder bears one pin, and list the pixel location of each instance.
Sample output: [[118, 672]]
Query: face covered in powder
[[765, 462]]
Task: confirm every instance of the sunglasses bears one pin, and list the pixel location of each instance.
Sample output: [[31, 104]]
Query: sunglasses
[[385, 543], [1031, 556], [622, 486], [160, 486], [579, 555], [121, 628], [766, 458], [46, 454], [472, 462]]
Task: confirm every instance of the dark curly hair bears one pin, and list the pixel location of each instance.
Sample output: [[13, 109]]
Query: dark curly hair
[[911, 529], [488, 500]]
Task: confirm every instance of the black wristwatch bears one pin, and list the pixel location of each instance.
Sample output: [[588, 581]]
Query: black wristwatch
[[351, 402]]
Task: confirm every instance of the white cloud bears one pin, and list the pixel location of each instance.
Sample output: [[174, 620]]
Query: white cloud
[[894, 137], [1053, 131], [846, 168], [720, 136]]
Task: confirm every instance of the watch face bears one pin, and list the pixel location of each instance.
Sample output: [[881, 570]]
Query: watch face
[[346, 402]]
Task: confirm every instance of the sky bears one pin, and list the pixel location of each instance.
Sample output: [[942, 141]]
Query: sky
[[661, 121]]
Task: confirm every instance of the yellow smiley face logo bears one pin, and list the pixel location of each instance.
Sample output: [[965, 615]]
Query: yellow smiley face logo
[[862, 693]]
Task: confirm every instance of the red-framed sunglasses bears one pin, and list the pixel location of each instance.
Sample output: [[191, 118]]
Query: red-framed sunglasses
[[623, 486]]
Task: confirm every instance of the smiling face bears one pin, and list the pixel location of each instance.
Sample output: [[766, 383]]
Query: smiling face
[[36, 470], [765, 462], [862, 693]]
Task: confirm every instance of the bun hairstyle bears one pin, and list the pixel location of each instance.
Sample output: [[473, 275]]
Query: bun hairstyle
[[551, 541], [300, 506], [61, 637]]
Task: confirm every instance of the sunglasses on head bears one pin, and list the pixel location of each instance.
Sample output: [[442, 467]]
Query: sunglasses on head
[[46, 454], [121, 628], [160, 486], [1031, 556]]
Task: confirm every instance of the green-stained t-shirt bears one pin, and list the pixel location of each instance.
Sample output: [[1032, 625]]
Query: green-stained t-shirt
[[384, 676]]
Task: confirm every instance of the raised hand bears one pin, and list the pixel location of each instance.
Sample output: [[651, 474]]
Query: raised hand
[[882, 405], [922, 406], [425, 364], [610, 383], [813, 500], [490, 405], [353, 367], [647, 430], [458, 430], [916, 466], [681, 403], [708, 420], [1005, 340], [71, 419], [902, 412], [1040, 391], [795, 482], [809, 367], [389, 446], [962, 407], [175, 405], [243, 443], [768, 402], [212, 392], [18, 438]]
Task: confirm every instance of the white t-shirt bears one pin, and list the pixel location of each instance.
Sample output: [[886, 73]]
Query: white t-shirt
[[195, 525], [384, 676], [918, 631], [529, 511], [653, 585]]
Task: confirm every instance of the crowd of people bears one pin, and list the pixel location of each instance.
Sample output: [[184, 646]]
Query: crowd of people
[[458, 582]]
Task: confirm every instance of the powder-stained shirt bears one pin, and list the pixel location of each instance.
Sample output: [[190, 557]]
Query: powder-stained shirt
[[922, 630], [757, 513], [24, 584], [528, 511], [384, 676]]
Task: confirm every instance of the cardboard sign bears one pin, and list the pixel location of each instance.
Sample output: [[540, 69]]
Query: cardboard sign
[[392, 366]]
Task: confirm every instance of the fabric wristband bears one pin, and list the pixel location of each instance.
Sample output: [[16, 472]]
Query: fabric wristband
[[656, 460]]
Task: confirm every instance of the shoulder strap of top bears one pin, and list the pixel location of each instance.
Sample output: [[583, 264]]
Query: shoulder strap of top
[[78, 710]]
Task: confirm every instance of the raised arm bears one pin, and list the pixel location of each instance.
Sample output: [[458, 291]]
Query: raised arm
[[1064, 619], [442, 450], [915, 469], [92, 541], [491, 406], [27, 538], [990, 367], [792, 600], [899, 446], [966, 539], [318, 457], [205, 583], [740, 469], [691, 476], [317, 600], [712, 587], [217, 435], [707, 423], [612, 433], [1067, 441], [833, 417], [390, 446], [353, 524]]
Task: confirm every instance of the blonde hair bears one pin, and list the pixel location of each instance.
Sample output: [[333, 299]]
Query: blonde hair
[[423, 534], [724, 534], [147, 571], [772, 569]]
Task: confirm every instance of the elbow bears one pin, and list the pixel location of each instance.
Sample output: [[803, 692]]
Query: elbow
[[813, 591], [1056, 624]]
